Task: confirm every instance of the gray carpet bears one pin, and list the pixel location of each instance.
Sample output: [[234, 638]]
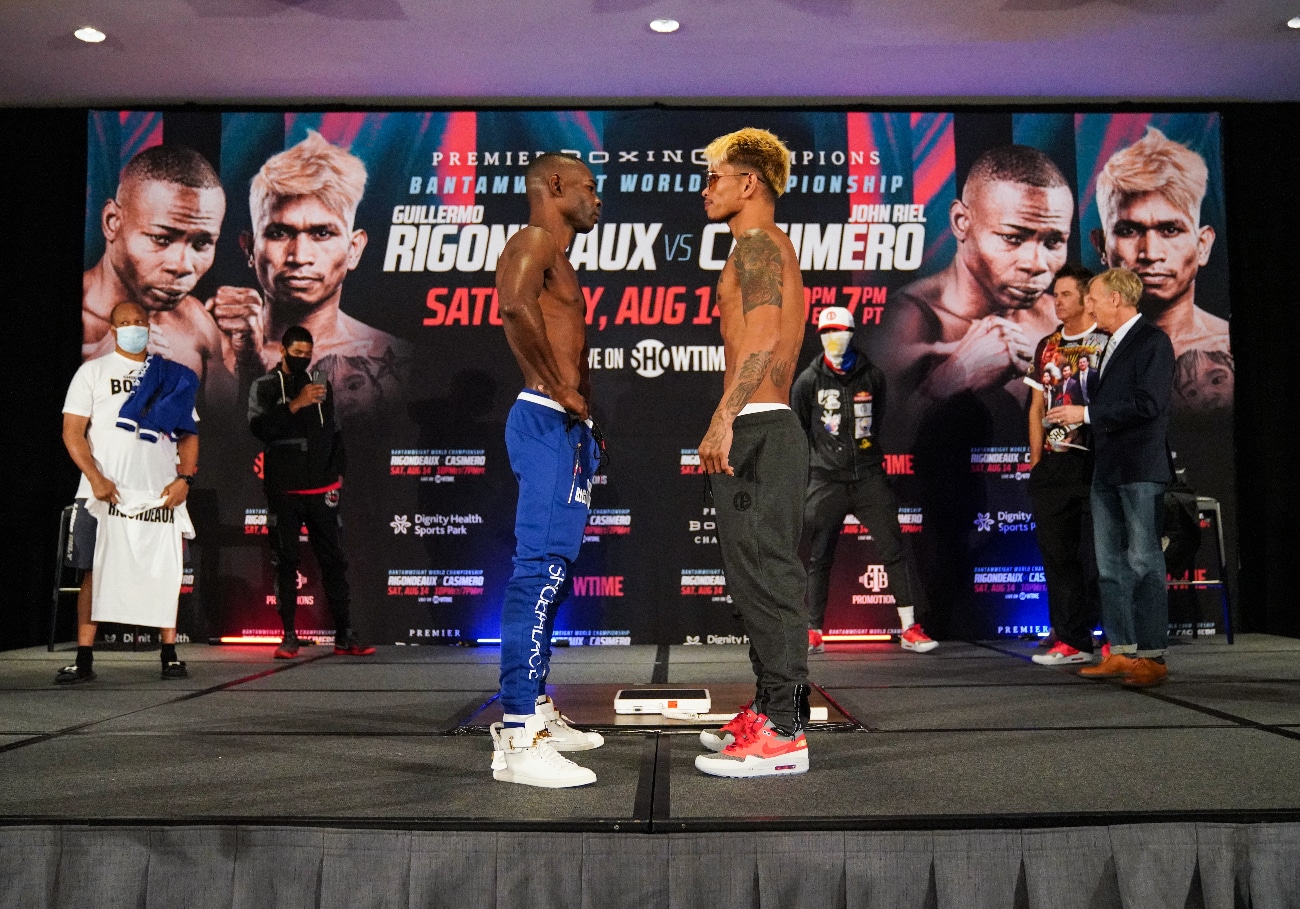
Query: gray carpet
[[971, 779], [971, 730]]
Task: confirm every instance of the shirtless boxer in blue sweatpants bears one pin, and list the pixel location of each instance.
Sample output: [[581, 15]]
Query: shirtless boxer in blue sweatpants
[[554, 456]]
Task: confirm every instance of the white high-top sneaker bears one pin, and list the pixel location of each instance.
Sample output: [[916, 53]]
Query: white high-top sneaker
[[524, 754], [563, 736]]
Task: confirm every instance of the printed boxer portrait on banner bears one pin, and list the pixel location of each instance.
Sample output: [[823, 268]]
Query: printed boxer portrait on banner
[[1149, 196], [160, 233], [303, 244]]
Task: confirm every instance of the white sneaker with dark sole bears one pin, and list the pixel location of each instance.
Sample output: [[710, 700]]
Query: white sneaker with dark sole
[[524, 755]]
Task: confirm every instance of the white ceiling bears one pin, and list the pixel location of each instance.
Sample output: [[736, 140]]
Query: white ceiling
[[438, 52]]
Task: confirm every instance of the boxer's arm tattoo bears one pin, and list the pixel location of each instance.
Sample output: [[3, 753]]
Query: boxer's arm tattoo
[[758, 270], [751, 374]]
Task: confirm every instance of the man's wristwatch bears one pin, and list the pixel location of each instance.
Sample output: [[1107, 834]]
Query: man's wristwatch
[[188, 478]]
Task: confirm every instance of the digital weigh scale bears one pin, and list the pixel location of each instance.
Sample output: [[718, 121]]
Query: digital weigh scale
[[686, 704]]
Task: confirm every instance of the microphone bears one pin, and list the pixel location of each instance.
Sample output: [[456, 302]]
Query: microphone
[[318, 378]]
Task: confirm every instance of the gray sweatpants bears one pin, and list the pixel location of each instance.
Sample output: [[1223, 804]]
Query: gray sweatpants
[[760, 520]]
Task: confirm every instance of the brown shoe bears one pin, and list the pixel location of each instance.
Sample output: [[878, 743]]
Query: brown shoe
[[1146, 673], [1115, 666]]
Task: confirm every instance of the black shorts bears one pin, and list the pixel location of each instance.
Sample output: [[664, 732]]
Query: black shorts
[[80, 552]]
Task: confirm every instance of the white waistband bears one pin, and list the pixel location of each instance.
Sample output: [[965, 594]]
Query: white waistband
[[761, 408], [533, 397]]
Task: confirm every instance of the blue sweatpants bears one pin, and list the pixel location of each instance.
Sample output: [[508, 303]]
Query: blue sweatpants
[[554, 459]]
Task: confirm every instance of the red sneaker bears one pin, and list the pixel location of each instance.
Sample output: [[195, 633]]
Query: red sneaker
[[717, 739], [350, 646], [1060, 655], [815, 642], [759, 751], [915, 638]]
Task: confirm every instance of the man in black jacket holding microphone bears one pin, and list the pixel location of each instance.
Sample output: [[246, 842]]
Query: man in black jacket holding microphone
[[291, 410]]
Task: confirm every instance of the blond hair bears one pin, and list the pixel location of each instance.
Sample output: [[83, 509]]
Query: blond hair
[[1153, 164], [1123, 282], [314, 168], [756, 148]]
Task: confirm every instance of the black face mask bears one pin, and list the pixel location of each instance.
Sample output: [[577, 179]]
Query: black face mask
[[297, 365]]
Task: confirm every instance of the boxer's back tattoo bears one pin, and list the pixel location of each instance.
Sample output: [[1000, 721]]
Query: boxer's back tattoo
[[758, 270]]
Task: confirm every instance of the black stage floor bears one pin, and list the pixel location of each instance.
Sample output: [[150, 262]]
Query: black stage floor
[[972, 737]]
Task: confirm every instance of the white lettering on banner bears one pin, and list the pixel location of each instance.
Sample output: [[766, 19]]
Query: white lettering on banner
[[836, 247], [438, 214], [652, 358], [477, 247]]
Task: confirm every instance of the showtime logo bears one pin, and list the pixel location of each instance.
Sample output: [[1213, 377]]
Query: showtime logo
[[598, 586], [651, 358]]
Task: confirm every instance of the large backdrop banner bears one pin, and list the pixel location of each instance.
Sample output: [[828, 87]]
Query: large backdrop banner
[[404, 313]]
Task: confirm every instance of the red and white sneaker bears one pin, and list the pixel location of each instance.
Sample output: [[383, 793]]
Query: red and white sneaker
[[815, 642], [1060, 655], [915, 638], [717, 739], [758, 751]]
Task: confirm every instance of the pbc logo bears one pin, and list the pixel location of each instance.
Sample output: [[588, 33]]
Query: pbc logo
[[875, 578]]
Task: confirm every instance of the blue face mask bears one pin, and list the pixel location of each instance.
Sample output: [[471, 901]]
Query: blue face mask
[[132, 338]]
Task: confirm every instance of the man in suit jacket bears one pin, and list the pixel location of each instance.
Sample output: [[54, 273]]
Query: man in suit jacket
[[1129, 416]]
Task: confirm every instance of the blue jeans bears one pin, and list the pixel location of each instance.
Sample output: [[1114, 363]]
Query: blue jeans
[[554, 459], [1131, 567]]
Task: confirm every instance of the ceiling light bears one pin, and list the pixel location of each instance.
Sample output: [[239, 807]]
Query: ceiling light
[[90, 35], [665, 26], [1293, 22]]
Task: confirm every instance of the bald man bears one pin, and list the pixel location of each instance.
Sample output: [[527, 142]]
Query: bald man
[[554, 455], [160, 236], [119, 470], [973, 326]]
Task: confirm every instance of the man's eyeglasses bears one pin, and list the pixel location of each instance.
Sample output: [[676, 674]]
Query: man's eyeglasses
[[713, 177]]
